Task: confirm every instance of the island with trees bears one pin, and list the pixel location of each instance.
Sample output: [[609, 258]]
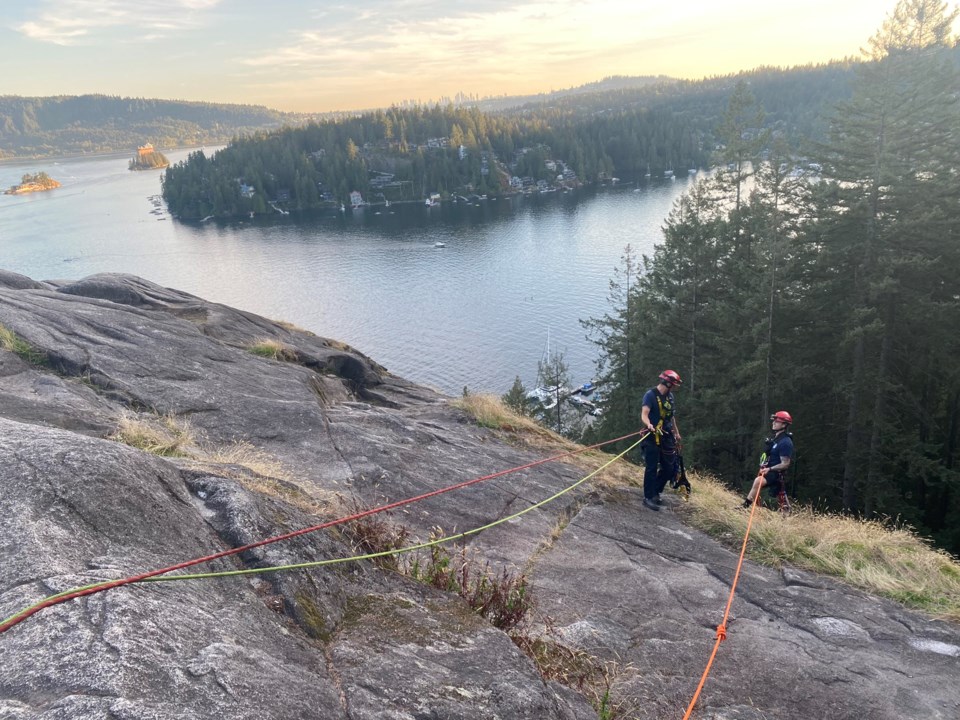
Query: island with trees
[[40, 182], [148, 158], [415, 153]]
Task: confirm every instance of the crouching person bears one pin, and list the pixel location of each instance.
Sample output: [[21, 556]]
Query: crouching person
[[777, 458]]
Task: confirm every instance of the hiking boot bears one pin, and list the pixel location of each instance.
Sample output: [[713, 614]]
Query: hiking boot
[[652, 504], [657, 499]]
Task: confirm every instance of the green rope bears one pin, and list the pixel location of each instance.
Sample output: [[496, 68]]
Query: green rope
[[398, 551], [334, 561]]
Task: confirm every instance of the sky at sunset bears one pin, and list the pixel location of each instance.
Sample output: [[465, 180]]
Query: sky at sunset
[[319, 56]]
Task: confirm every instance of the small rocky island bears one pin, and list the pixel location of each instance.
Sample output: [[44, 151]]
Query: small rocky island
[[148, 158], [33, 183]]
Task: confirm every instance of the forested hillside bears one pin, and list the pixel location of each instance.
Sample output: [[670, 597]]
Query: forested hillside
[[565, 140], [834, 296], [796, 99], [66, 125]]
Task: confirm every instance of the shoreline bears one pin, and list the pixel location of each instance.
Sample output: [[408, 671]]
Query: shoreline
[[23, 159]]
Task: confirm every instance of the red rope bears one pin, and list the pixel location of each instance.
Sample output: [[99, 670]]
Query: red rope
[[56, 600]]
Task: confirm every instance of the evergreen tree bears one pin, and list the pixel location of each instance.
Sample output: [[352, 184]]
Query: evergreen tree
[[892, 156], [516, 398], [553, 375], [616, 340]]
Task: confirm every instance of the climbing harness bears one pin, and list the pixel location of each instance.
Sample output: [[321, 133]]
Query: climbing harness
[[680, 483], [658, 430]]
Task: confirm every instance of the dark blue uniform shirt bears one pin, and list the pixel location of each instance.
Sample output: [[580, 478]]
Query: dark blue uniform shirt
[[650, 401], [782, 448]]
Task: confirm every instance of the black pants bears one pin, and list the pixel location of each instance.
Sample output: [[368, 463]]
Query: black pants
[[661, 464]]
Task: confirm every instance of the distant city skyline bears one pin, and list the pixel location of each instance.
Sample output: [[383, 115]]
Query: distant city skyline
[[313, 57]]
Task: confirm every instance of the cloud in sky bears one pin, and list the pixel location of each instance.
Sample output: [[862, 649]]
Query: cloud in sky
[[308, 55], [70, 22]]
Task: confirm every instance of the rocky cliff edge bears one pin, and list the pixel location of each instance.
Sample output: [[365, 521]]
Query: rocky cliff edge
[[269, 429]]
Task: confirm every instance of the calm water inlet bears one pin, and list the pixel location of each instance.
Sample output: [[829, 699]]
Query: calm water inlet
[[473, 312]]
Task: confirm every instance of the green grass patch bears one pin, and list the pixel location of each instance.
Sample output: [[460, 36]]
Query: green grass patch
[[17, 345], [274, 350]]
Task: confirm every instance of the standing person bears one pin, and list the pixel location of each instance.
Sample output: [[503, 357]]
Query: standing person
[[660, 446], [779, 455]]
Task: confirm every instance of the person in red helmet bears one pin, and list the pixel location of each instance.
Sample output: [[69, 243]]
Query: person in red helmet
[[660, 445], [777, 458]]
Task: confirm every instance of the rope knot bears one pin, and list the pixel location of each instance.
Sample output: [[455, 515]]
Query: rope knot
[[721, 632]]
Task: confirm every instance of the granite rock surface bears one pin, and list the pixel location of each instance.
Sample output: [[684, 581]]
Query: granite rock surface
[[267, 446]]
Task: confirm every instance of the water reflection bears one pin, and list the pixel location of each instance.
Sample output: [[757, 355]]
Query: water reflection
[[474, 312]]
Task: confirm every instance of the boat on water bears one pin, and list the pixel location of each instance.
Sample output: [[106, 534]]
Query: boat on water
[[586, 389], [439, 244], [579, 400], [548, 395]]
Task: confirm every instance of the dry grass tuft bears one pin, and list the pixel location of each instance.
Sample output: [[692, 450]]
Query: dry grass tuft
[[341, 346], [293, 328], [883, 559], [259, 471], [255, 469], [274, 350], [166, 436], [490, 412], [878, 557], [253, 458]]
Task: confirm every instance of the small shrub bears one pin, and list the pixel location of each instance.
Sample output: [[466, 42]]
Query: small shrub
[[502, 598], [372, 534], [274, 350]]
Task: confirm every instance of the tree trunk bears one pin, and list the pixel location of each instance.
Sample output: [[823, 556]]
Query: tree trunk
[[874, 459], [852, 454]]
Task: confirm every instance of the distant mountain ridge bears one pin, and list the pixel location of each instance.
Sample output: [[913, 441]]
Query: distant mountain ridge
[[36, 127], [86, 124], [608, 84]]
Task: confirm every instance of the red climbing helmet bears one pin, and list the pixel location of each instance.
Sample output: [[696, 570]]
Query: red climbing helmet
[[670, 378], [783, 416]]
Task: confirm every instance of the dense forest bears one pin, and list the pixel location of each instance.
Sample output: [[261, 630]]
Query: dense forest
[[67, 125], [835, 296], [625, 132]]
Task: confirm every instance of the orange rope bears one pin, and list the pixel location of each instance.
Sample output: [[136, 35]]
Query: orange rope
[[722, 627]]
